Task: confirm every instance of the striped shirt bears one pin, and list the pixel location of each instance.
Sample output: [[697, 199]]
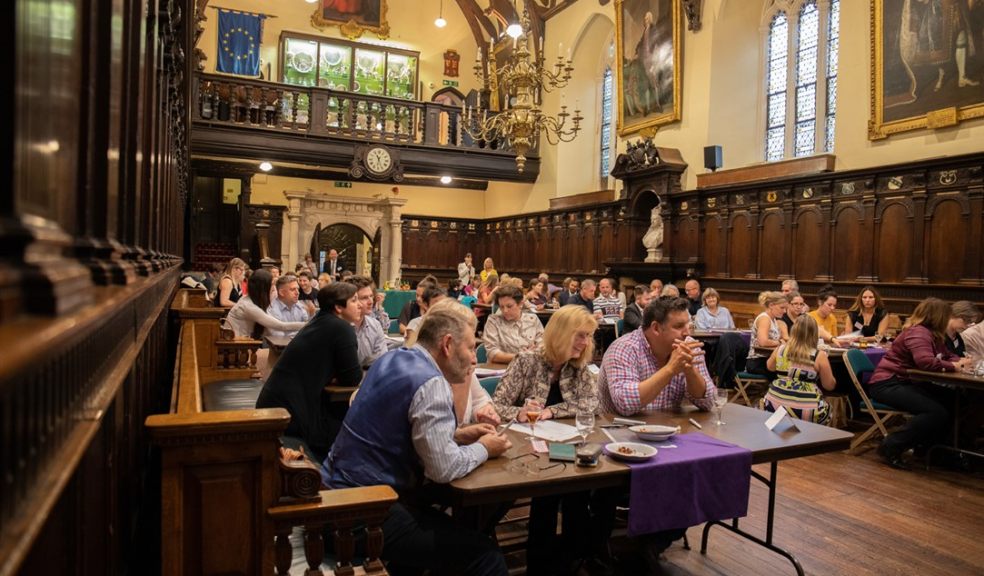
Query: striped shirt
[[629, 361], [608, 305]]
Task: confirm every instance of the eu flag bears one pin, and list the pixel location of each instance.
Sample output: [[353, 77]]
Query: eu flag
[[239, 42]]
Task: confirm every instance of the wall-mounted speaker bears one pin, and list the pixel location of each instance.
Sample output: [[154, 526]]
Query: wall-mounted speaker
[[712, 158]]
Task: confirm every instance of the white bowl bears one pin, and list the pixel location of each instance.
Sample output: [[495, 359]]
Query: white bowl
[[631, 451], [655, 432]]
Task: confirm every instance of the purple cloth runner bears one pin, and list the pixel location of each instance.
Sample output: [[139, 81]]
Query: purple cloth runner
[[701, 479], [874, 354]]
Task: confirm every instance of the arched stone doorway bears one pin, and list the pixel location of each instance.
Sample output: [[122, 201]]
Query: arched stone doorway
[[357, 252]]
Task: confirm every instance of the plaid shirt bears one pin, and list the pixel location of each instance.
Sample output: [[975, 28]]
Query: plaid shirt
[[629, 361]]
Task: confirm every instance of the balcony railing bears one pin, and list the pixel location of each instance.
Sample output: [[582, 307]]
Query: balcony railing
[[230, 101]]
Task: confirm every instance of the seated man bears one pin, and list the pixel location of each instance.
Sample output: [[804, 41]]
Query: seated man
[[692, 288], [585, 297], [607, 304], [308, 290], [368, 332], [570, 287], [286, 307], [402, 431], [656, 368], [634, 311], [510, 332]]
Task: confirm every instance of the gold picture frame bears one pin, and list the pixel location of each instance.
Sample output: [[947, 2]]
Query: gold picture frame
[[914, 80], [370, 17], [645, 30]]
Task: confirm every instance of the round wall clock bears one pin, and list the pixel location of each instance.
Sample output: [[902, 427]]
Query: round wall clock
[[378, 160]]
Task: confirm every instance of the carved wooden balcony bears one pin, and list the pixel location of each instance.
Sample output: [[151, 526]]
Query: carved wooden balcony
[[258, 120]]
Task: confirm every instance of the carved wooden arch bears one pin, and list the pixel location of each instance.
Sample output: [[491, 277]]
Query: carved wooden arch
[[772, 210], [746, 213], [644, 193], [939, 199], [717, 216], [882, 206], [803, 210], [448, 90], [840, 207]]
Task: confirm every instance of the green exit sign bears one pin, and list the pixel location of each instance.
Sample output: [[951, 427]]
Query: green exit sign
[[343, 184], [452, 83]]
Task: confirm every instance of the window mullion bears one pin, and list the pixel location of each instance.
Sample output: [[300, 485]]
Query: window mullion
[[792, 16]]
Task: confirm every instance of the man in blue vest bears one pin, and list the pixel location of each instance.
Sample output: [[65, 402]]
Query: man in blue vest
[[402, 431]]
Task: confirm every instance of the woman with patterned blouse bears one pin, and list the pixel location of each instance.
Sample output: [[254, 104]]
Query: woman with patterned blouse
[[558, 374]]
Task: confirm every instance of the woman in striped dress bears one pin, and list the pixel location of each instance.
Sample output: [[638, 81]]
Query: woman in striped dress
[[800, 368]]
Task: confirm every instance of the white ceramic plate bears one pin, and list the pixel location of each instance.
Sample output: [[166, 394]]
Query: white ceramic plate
[[630, 451], [655, 432]]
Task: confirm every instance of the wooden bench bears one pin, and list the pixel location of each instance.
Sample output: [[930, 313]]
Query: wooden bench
[[229, 502]]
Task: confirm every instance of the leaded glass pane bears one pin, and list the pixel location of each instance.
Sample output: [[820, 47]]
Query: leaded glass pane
[[606, 122], [775, 144], [832, 95], [829, 144], [777, 110], [807, 69], [805, 132], [806, 102], [833, 37]]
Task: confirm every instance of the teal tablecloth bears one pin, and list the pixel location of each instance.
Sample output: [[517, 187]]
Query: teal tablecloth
[[396, 299]]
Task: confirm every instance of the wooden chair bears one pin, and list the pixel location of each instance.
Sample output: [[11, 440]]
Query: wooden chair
[[743, 380], [857, 364]]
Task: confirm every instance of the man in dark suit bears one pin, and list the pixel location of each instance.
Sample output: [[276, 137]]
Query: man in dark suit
[[333, 265], [633, 313]]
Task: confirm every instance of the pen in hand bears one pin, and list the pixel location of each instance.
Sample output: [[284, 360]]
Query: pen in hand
[[506, 427]]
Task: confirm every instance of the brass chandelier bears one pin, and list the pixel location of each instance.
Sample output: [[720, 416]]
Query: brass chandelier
[[522, 80]]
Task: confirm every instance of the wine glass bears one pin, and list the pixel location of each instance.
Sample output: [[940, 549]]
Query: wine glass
[[533, 408], [584, 420], [720, 399]]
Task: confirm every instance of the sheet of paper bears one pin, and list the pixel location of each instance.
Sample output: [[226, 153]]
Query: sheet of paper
[[549, 430], [487, 372]]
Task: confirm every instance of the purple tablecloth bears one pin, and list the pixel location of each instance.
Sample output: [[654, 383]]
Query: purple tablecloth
[[701, 479]]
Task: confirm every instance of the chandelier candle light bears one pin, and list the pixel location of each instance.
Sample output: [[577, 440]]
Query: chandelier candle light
[[522, 80]]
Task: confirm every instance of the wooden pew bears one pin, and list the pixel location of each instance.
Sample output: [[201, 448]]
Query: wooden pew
[[228, 499]]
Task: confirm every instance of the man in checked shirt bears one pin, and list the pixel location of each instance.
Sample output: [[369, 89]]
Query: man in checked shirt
[[656, 367]]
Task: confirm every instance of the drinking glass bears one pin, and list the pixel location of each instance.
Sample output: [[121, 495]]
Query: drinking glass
[[720, 399], [533, 408], [584, 421]]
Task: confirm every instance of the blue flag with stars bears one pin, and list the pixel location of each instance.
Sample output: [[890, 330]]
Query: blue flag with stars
[[239, 42]]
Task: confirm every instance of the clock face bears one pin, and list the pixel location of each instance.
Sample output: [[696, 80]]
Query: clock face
[[378, 160]]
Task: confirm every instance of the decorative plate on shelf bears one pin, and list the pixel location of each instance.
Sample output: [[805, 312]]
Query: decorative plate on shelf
[[331, 57], [303, 62]]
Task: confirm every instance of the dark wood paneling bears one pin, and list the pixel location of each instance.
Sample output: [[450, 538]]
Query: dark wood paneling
[[848, 244], [741, 258], [945, 252], [894, 243], [714, 248], [772, 236], [807, 244]]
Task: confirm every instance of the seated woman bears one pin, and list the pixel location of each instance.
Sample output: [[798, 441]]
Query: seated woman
[[537, 296], [324, 352], [430, 295], [824, 314], [249, 316], [795, 307], [767, 332], [324, 279], [230, 284], [867, 315], [558, 374], [963, 314], [921, 346], [800, 367], [713, 316], [510, 331]]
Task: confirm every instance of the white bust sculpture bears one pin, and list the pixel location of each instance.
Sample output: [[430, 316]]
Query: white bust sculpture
[[653, 239]]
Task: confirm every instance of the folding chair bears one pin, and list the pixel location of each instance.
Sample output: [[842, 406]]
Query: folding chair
[[857, 364], [742, 381]]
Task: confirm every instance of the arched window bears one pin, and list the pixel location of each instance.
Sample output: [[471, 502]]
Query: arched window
[[607, 86], [808, 30]]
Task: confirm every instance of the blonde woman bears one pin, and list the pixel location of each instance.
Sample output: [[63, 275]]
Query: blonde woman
[[488, 269], [799, 368], [230, 285], [768, 331]]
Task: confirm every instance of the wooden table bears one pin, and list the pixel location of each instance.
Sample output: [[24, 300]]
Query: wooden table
[[493, 483], [958, 380]]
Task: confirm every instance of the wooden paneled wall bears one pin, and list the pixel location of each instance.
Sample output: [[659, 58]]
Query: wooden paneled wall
[[913, 229], [575, 241], [95, 159]]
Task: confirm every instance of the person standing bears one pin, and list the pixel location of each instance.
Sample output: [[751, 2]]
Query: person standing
[[333, 266], [466, 271]]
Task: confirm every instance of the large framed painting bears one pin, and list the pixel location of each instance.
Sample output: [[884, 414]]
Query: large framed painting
[[927, 65], [353, 17], [647, 46]]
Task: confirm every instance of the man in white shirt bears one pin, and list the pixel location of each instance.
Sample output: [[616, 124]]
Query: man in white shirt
[[285, 306], [333, 266], [466, 271], [369, 333]]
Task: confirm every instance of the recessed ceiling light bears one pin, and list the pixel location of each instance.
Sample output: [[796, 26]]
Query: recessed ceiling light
[[310, 1], [266, 166], [445, 179]]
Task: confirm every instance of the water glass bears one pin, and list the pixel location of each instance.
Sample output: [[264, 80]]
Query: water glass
[[720, 399], [979, 369], [585, 420]]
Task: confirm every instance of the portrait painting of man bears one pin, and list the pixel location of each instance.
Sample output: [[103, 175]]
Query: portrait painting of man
[[353, 17]]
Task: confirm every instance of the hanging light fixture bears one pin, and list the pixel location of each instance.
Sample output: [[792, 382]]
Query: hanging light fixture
[[441, 22], [522, 80]]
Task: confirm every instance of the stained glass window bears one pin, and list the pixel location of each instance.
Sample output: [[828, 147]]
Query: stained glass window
[[606, 123], [778, 49], [801, 92]]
